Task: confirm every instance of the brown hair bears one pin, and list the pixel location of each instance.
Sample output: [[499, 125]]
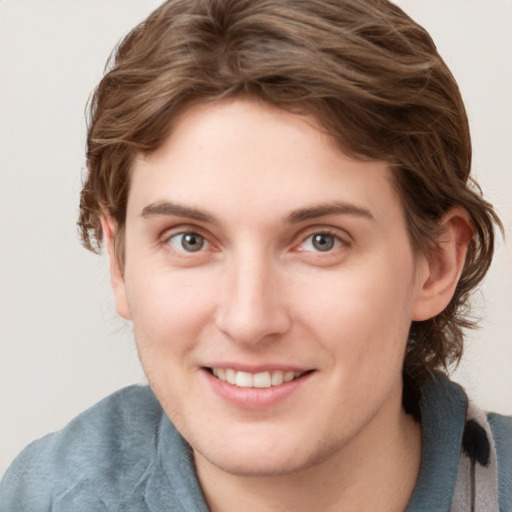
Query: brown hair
[[370, 75]]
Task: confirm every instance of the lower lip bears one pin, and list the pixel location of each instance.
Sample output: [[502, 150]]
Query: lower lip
[[255, 398]]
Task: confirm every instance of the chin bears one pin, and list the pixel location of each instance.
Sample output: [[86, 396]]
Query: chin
[[257, 466], [264, 459]]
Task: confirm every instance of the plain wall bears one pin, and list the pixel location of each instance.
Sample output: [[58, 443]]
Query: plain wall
[[62, 348]]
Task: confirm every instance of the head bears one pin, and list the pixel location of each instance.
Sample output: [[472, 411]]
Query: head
[[369, 76]]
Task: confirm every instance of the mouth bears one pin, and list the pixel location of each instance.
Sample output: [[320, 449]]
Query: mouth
[[264, 379]]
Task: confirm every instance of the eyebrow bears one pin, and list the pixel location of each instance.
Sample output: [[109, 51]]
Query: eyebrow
[[296, 216], [322, 210], [177, 210]]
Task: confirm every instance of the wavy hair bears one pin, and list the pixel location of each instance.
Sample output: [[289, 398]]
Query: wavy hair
[[370, 75]]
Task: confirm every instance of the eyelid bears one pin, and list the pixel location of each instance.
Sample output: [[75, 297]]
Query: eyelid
[[185, 229], [205, 245], [210, 243], [337, 233], [181, 229]]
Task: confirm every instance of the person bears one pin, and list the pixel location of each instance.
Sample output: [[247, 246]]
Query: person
[[284, 193]]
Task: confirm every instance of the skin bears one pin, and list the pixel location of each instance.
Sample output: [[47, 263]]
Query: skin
[[256, 184]]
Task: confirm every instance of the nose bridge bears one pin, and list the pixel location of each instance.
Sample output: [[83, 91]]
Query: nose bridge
[[252, 307]]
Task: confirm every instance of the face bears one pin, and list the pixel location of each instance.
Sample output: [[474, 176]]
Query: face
[[271, 285]]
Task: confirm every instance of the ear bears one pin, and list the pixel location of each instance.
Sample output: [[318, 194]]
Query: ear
[[117, 282], [440, 273]]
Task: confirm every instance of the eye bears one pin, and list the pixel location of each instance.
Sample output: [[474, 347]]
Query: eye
[[188, 242], [321, 242]]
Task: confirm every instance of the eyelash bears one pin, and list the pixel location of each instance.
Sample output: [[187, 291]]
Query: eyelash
[[168, 239], [339, 243]]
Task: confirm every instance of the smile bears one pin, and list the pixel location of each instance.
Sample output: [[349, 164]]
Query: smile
[[255, 380]]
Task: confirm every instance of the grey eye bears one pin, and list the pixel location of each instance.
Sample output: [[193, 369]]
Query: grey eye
[[323, 242], [189, 242]]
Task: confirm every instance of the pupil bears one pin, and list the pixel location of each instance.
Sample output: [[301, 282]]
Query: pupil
[[192, 242], [323, 242]]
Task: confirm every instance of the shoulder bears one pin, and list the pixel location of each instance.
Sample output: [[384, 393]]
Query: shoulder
[[501, 427], [467, 453], [106, 447]]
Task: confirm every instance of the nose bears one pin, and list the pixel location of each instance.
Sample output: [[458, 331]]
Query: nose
[[252, 308]]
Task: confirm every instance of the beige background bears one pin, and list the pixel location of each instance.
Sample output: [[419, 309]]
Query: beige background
[[61, 347]]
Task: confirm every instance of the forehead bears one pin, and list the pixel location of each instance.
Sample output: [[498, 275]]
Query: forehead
[[250, 156]]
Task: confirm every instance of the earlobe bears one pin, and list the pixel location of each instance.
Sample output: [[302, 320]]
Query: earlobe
[[444, 266], [117, 282]]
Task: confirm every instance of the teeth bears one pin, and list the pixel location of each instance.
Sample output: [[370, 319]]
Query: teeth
[[243, 380], [254, 380], [262, 380], [288, 376], [277, 378], [230, 376]]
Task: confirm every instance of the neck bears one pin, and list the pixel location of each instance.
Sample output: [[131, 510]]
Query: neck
[[375, 471]]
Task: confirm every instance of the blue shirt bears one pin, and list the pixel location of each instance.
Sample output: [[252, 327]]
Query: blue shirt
[[125, 455]]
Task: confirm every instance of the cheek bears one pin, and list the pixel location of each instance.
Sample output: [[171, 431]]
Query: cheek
[[363, 315], [168, 309]]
